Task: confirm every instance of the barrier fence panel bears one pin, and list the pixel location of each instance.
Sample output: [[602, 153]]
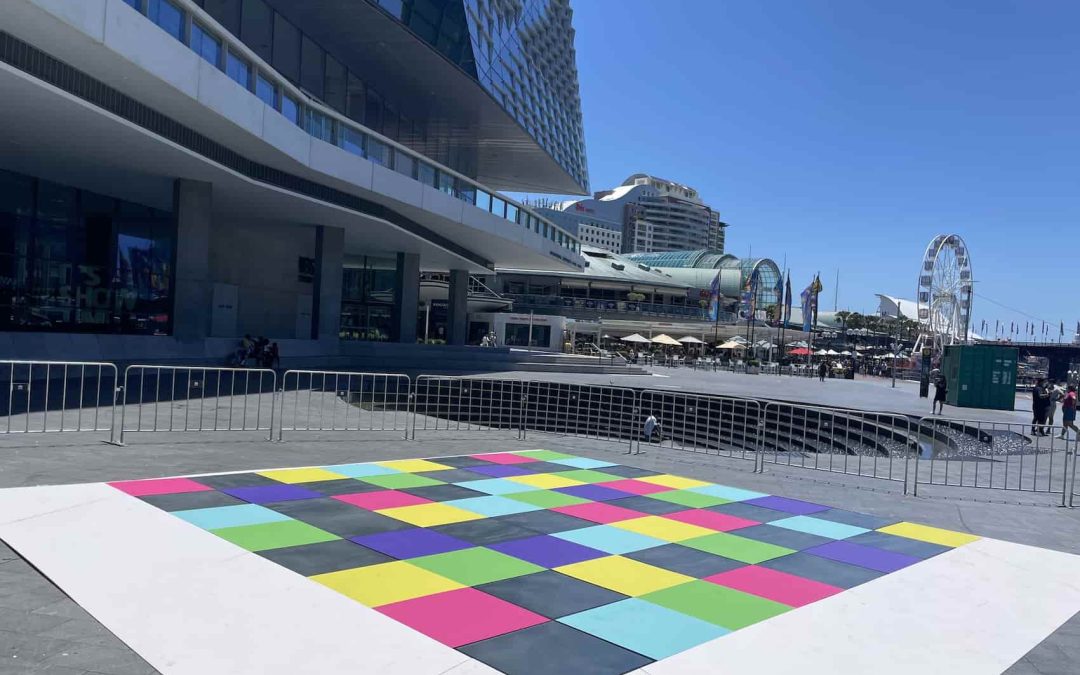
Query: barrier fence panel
[[860, 443], [995, 455], [325, 400], [57, 396], [446, 403], [182, 398], [598, 412], [715, 425]]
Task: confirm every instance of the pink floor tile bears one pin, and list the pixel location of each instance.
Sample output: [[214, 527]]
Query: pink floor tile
[[504, 458], [159, 486], [721, 522], [598, 512], [779, 586], [635, 487], [383, 499], [460, 617]]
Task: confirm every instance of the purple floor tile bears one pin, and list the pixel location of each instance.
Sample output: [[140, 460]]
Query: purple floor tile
[[266, 494], [500, 470], [547, 551], [795, 506], [597, 493], [403, 544], [863, 556]]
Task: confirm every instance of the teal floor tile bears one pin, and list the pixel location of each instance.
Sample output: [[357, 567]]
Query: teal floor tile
[[582, 463], [725, 492], [822, 528], [360, 470], [610, 539], [230, 516], [645, 628], [492, 505], [496, 486]]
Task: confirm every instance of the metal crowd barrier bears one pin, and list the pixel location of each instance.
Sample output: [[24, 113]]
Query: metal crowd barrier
[[599, 412], [448, 403], [323, 400], [717, 425], [995, 455], [182, 398], [57, 396], [853, 442]]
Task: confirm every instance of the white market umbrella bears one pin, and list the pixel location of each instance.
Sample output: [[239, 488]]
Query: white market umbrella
[[636, 338], [690, 340], [821, 352], [731, 344], [665, 339], [845, 353], [832, 353]]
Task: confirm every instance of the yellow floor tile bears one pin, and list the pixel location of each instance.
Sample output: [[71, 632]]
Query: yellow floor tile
[[382, 584], [663, 528], [676, 482], [301, 475], [624, 575], [934, 535], [430, 515], [413, 465], [545, 481]]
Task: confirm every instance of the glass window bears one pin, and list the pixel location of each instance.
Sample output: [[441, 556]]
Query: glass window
[[373, 110], [483, 200], [404, 164], [319, 125], [135, 4], [290, 108], [225, 12], [334, 91], [354, 105], [446, 183], [238, 69], [286, 48], [378, 152], [426, 174], [498, 207], [257, 28], [352, 140], [266, 90], [511, 213], [311, 67], [466, 192], [395, 7], [205, 44], [168, 16]]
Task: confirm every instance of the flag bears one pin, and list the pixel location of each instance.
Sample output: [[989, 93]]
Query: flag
[[1061, 333], [804, 297], [788, 299], [714, 298], [753, 293], [779, 290], [817, 291]]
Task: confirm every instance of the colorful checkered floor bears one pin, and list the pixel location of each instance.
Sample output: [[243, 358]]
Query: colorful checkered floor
[[538, 561]]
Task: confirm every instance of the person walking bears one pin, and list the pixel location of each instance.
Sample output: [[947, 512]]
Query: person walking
[[1040, 399], [1068, 413], [651, 426], [1056, 394], [822, 369], [941, 391]]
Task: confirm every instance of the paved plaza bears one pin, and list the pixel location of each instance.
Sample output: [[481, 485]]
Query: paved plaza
[[41, 630]]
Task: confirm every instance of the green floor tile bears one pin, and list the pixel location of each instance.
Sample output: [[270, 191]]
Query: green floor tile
[[544, 455], [397, 481], [716, 604], [473, 566], [274, 535], [546, 499], [589, 475], [694, 500], [737, 548]]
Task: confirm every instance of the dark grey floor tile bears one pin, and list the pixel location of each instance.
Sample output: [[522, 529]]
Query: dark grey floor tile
[[345, 486], [452, 475], [829, 572], [337, 517], [750, 512], [545, 522], [856, 519], [486, 531], [889, 542], [683, 560], [192, 500], [782, 537], [554, 649], [546, 467], [628, 471], [235, 480], [329, 556], [551, 594], [444, 493], [644, 504], [461, 462]]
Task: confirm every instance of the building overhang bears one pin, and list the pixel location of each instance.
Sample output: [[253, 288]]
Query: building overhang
[[405, 69]]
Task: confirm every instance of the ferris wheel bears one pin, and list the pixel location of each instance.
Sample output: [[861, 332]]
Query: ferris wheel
[[945, 291]]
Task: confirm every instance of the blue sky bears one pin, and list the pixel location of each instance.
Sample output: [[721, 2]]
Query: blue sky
[[846, 134]]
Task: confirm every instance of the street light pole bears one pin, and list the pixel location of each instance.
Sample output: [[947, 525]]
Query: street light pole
[[896, 345]]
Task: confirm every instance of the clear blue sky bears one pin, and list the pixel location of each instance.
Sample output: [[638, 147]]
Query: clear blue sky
[[846, 134]]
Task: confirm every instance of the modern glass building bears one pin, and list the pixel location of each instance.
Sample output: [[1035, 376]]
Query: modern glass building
[[699, 268], [195, 170]]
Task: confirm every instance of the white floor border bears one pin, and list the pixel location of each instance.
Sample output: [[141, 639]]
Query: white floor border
[[189, 602]]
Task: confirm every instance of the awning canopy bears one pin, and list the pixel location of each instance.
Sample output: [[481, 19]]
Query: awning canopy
[[690, 340], [636, 338], [731, 344], [665, 339]]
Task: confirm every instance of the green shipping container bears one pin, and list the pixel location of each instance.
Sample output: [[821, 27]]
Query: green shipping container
[[980, 376]]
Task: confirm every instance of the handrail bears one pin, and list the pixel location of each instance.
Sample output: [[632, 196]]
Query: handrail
[[306, 101]]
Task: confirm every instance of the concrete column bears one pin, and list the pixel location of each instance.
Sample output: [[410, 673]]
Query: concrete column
[[326, 295], [457, 319], [406, 297], [193, 295]]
